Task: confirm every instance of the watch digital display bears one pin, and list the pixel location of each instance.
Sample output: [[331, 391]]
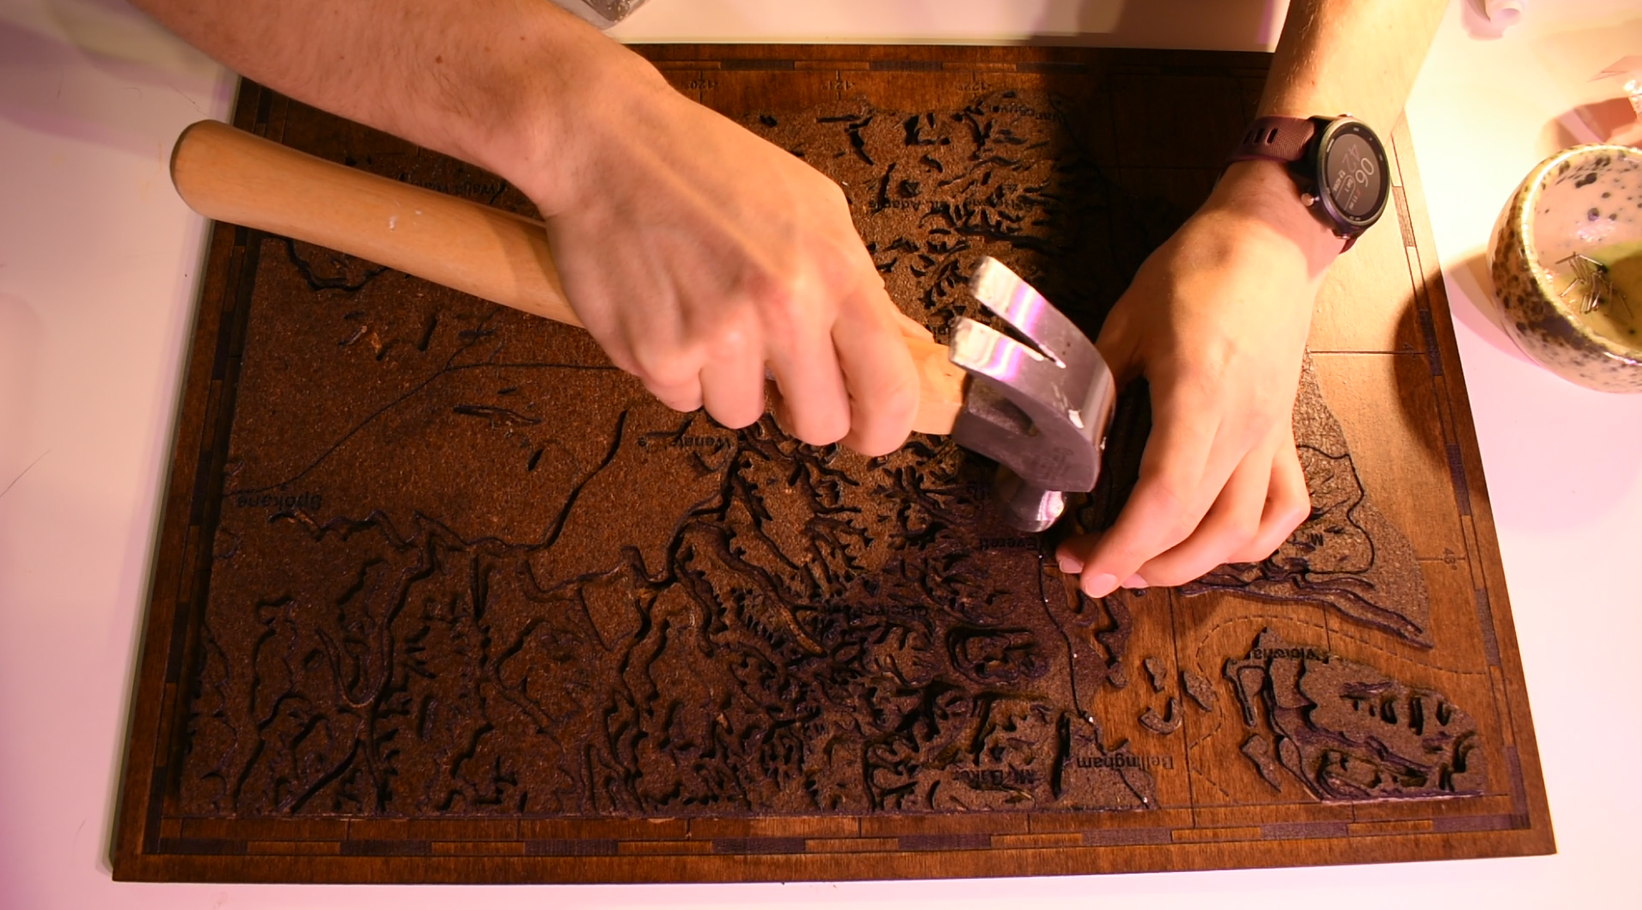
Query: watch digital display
[[1353, 173]]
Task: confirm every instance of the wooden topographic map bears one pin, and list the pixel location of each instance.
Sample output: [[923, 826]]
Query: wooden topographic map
[[444, 596]]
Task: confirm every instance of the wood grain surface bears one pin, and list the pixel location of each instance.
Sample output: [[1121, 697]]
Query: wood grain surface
[[440, 596]]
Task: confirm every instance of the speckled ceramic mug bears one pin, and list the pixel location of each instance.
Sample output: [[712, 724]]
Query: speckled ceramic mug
[[1575, 201]]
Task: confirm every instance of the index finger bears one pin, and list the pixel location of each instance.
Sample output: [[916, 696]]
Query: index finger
[[1179, 478]]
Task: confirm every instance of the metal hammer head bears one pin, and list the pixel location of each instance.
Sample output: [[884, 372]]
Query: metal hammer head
[[1039, 409]]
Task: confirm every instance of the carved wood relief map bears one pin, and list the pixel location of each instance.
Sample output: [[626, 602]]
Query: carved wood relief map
[[443, 596]]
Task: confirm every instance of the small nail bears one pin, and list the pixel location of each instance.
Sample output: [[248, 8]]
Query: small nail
[[1136, 582], [1100, 585], [1071, 565]]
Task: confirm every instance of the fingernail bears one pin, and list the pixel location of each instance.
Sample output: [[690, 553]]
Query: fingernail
[[1100, 585], [1136, 582], [1071, 565]]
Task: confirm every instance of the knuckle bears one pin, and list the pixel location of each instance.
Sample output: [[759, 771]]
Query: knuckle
[[1241, 527], [775, 292], [1182, 522], [1254, 551], [1257, 416], [1121, 558], [819, 429], [896, 402], [1170, 577], [734, 336], [1172, 569], [874, 445], [829, 191], [1263, 551], [735, 418], [1292, 516], [677, 400], [1270, 538], [664, 374], [1291, 505], [742, 407], [663, 363], [1167, 495]]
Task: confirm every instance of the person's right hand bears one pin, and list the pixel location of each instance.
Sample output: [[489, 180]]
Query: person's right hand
[[1216, 320], [699, 255]]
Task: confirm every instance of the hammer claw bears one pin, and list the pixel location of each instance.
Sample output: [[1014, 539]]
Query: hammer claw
[[1025, 310], [984, 351], [981, 349], [1040, 412]]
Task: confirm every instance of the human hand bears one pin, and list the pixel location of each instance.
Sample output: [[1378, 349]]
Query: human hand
[[1216, 320], [699, 255]]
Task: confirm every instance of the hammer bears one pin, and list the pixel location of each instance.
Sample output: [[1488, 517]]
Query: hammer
[[1039, 407]]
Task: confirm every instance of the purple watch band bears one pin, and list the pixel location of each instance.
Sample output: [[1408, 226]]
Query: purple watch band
[[1282, 139], [1274, 139]]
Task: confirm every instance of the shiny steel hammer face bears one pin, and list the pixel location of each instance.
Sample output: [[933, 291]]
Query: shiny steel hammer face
[[1040, 410]]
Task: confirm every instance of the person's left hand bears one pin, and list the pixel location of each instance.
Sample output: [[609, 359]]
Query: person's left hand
[[1216, 320]]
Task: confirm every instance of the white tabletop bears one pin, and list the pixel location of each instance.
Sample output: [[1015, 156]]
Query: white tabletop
[[98, 267]]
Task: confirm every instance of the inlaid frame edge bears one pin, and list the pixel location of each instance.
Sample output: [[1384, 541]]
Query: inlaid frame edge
[[141, 795], [1482, 513], [865, 865]]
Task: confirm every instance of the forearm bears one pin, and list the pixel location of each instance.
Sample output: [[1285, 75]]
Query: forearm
[[1334, 57], [492, 82], [1350, 56]]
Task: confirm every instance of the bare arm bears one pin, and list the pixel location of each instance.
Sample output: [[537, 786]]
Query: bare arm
[[697, 254], [1217, 318], [1360, 56], [459, 78]]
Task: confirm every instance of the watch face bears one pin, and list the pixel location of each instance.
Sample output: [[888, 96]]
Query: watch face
[[1353, 173]]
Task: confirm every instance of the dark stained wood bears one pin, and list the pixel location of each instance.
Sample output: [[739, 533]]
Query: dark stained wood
[[365, 660]]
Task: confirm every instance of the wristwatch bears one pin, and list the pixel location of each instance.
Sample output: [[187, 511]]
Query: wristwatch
[[1338, 163]]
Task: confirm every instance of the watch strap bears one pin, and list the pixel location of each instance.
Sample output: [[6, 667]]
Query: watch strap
[[1274, 139], [1282, 139]]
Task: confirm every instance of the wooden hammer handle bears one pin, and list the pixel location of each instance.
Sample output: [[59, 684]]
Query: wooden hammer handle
[[230, 175]]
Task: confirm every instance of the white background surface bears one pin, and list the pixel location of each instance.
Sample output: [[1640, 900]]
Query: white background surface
[[98, 264]]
